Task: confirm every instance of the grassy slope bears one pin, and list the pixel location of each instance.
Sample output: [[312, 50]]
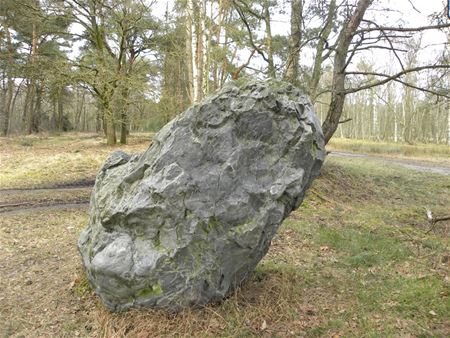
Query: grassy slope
[[354, 260]]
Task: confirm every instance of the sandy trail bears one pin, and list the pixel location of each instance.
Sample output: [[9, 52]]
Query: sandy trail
[[57, 187], [15, 210], [16, 201], [420, 166]]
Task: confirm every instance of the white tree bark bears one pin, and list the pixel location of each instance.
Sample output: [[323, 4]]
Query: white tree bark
[[192, 31], [448, 107], [395, 127], [189, 48], [448, 121], [205, 51]]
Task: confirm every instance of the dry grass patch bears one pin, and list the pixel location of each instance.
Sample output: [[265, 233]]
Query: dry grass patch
[[56, 160], [39, 263]]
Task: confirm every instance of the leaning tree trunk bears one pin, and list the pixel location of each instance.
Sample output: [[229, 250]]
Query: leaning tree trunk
[[338, 94], [317, 69]]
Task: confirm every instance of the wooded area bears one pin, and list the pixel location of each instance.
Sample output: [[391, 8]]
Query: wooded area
[[126, 65]]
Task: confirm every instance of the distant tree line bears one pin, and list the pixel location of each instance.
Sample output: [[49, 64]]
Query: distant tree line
[[112, 66]]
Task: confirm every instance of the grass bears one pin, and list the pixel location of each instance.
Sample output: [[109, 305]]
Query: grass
[[357, 259], [34, 161], [424, 151]]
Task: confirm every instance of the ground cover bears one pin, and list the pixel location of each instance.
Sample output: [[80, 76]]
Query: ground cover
[[357, 259]]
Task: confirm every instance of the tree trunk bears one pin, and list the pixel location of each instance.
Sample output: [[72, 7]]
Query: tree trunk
[[30, 107], [124, 128], [292, 63], [195, 41], [317, 70], [60, 109], [395, 127], [448, 106], [448, 123], [4, 127], [13, 103], [37, 110], [124, 121], [271, 68], [84, 128], [109, 126], [98, 120], [200, 38], [190, 59], [218, 39], [223, 68], [207, 36], [79, 108], [338, 93]]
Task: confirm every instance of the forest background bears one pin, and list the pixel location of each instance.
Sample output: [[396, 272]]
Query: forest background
[[375, 70]]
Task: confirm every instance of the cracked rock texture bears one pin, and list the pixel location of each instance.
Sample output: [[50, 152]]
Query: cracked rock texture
[[188, 220]]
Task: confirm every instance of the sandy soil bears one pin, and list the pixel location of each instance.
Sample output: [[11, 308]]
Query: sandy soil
[[421, 166]]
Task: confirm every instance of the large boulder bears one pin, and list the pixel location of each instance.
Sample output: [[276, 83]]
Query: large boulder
[[188, 220]]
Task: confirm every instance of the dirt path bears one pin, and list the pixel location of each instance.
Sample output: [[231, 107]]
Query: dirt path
[[15, 210], [421, 166], [57, 187], [16, 201]]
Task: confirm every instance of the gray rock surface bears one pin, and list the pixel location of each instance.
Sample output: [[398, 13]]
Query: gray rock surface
[[188, 220]]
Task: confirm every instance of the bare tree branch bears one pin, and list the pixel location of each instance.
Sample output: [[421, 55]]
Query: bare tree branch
[[414, 7], [391, 77], [381, 47], [346, 36], [389, 41], [345, 121], [249, 31], [402, 29], [433, 220]]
